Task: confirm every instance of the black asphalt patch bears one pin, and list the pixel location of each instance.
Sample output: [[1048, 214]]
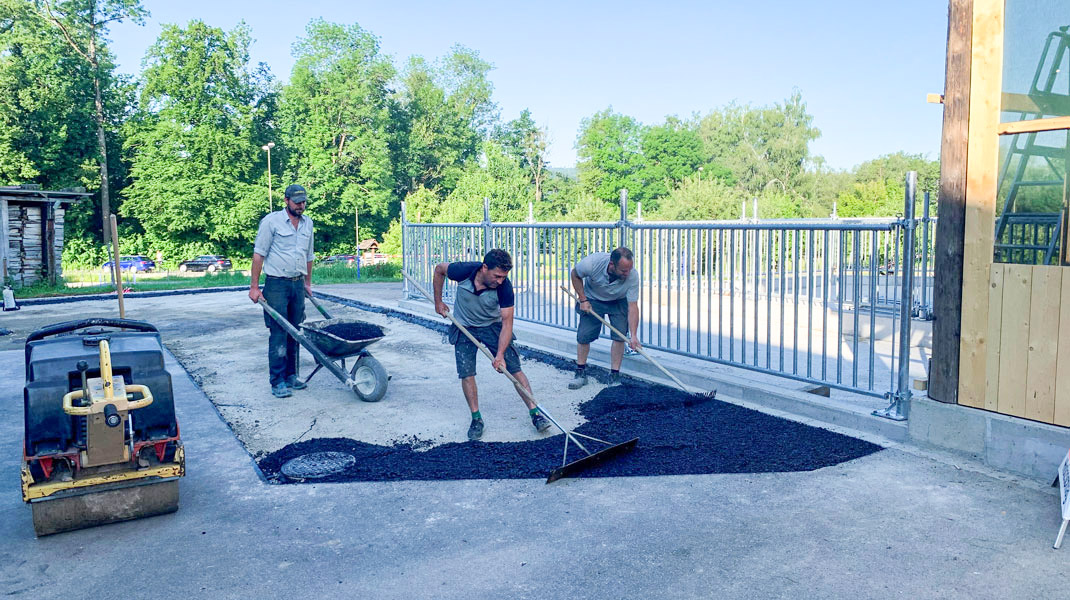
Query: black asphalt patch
[[676, 437]]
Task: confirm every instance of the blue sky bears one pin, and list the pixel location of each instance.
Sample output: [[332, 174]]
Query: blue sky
[[863, 67]]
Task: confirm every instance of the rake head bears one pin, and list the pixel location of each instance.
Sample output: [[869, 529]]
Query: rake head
[[699, 399], [591, 460]]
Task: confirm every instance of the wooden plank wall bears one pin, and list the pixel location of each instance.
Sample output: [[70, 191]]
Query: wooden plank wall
[[982, 167], [1028, 350]]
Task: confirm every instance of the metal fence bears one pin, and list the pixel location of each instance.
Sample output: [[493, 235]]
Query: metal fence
[[825, 301]]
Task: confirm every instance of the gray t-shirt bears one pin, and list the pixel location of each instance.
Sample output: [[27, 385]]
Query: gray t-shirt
[[286, 250], [598, 284], [482, 308]]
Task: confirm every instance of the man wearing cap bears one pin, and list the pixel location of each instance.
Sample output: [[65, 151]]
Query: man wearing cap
[[606, 283], [484, 306], [283, 251]]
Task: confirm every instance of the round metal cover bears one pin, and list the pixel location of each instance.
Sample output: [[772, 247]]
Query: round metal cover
[[316, 465]]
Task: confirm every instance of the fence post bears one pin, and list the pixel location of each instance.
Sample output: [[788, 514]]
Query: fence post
[[926, 311], [404, 252], [899, 407], [487, 234], [623, 219]]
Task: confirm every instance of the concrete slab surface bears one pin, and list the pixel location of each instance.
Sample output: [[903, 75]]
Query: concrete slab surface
[[895, 524]]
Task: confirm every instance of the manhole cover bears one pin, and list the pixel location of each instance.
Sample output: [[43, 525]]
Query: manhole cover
[[316, 465]]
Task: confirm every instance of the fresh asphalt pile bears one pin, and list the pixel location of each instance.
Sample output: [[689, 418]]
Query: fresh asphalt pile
[[676, 437], [354, 331]]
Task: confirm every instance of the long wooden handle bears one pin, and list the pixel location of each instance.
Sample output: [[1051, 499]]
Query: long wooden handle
[[640, 348], [482, 347], [319, 307]]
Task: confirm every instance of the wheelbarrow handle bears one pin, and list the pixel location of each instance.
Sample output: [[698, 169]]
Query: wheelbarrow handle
[[319, 307], [320, 356]]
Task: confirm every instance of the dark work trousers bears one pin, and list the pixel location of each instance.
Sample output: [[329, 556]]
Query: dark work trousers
[[287, 297]]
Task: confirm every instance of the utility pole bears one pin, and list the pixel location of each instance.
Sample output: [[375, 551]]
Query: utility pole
[[267, 147]]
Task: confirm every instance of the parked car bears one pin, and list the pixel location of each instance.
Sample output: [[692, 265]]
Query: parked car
[[132, 263], [376, 258], [348, 259], [210, 263]]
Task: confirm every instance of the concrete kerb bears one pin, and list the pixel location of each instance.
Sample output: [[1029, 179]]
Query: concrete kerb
[[82, 297]]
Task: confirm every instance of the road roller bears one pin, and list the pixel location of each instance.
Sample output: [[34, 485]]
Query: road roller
[[101, 439]]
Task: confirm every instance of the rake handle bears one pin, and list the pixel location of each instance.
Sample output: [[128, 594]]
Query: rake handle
[[617, 331]]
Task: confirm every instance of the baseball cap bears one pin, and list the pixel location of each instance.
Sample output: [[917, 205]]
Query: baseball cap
[[296, 193]]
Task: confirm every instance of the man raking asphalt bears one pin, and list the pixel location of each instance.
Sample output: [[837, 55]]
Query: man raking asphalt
[[566, 469], [606, 284], [484, 306]]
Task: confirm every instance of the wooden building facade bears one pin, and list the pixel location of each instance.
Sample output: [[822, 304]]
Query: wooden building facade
[[31, 233], [1001, 340]]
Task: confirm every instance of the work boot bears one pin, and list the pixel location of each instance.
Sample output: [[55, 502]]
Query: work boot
[[475, 430], [540, 422], [296, 384], [614, 378], [281, 391], [579, 380]]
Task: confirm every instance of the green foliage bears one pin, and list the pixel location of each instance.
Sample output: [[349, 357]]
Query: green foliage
[[442, 113], [699, 199], [195, 164], [894, 168], [361, 135], [392, 239], [875, 198], [343, 273], [671, 153], [761, 146], [497, 177], [48, 128], [335, 130], [609, 150]]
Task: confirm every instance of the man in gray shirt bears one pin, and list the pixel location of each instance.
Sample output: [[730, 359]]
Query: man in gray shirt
[[484, 306], [283, 251], [606, 283]]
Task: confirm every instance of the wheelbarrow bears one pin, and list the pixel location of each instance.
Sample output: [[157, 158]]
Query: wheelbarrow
[[367, 377]]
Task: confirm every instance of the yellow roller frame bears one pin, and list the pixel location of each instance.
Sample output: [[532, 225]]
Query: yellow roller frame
[[122, 404], [33, 491]]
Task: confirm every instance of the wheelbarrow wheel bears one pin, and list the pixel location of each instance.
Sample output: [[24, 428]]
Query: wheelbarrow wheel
[[369, 379]]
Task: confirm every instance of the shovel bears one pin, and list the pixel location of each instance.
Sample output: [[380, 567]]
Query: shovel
[[567, 469], [702, 396]]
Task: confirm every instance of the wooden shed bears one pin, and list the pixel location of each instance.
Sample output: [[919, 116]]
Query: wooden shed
[[31, 232]]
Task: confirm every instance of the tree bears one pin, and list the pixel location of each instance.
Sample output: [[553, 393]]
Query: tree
[[498, 178], [895, 167], [699, 199], [671, 153], [523, 140], [83, 25], [761, 146], [335, 122], [441, 115], [610, 156], [195, 161]]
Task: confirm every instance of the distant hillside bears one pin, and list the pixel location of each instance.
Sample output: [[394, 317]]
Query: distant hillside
[[566, 172]]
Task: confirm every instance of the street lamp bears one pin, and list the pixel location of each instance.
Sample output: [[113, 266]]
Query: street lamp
[[267, 147]]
